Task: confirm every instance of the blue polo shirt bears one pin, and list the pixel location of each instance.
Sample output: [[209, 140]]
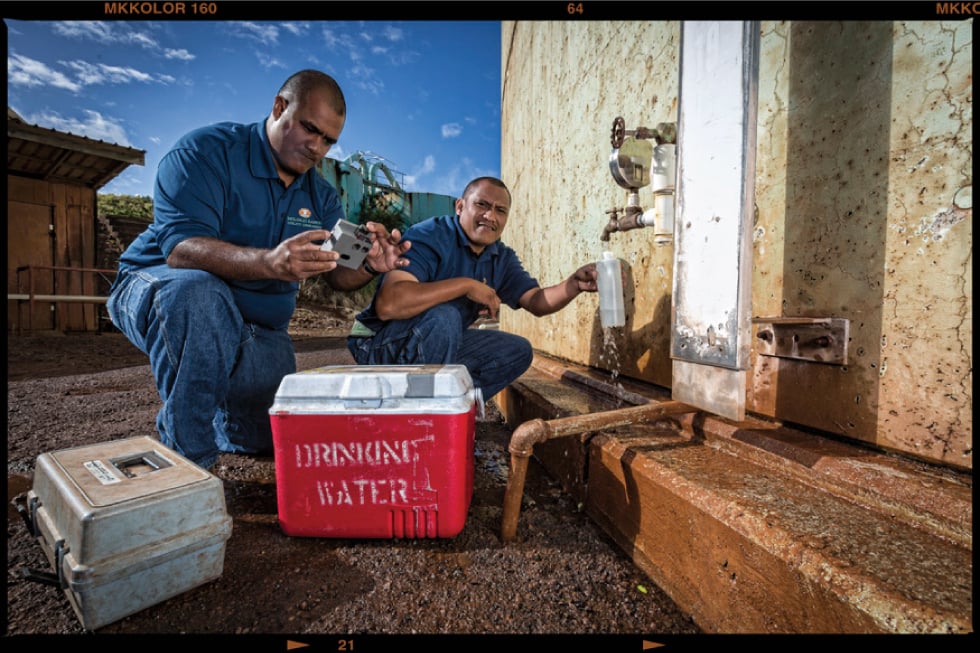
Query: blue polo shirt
[[220, 181], [440, 250]]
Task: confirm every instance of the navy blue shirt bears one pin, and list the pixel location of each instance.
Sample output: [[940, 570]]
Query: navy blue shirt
[[440, 250], [221, 182]]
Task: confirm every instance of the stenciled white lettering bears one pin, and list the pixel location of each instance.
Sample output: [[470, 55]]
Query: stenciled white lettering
[[368, 453], [365, 492]]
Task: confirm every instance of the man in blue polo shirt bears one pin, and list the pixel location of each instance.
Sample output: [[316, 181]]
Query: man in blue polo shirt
[[458, 271], [207, 291]]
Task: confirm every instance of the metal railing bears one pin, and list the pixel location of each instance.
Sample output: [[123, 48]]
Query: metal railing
[[31, 297]]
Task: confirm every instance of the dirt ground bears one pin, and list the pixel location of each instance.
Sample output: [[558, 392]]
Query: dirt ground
[[562, 574]]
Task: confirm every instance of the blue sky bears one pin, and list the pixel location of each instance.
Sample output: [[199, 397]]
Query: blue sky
[[424, 96]]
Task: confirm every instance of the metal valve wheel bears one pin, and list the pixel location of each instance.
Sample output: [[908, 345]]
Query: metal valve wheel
[[618, 132]]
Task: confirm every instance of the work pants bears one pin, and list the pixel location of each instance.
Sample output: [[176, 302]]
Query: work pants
[[493, 358], [216, 374]]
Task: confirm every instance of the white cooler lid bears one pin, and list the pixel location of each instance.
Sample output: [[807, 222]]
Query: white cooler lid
[[435, 388]]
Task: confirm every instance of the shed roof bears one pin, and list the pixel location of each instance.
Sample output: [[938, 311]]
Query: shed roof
[[50, 155]]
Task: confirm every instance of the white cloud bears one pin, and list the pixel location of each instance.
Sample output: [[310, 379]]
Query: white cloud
[[268, 62], [390, 35], [411, 181], [96, 30], [402, 57], [296, 29], [334, 40], [367, 79], [451, 130], [24, 71], [428, 165], [143, 40], [264, 34], [104, 32], [182, 54], [94, 126], [393, 34], [90, 74]]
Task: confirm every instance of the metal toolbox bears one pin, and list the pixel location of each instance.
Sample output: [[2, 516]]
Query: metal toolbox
[[125, 525], [375, 451]]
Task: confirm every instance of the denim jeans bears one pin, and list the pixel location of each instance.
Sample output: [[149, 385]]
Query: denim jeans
[[216, 374], [494, 359]]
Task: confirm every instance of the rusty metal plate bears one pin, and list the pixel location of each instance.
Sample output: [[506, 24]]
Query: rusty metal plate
[[819, 340]]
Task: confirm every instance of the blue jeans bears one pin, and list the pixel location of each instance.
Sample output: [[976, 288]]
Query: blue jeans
[[216, 374], [494, 359]]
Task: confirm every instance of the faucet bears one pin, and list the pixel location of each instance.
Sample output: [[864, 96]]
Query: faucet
[[612, 225], [634, 217]]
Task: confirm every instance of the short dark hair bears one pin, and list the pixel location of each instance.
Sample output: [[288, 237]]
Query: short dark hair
[[300, 84], [492, 180]]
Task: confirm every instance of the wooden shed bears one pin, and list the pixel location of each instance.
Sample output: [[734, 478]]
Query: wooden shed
[[53, 179]]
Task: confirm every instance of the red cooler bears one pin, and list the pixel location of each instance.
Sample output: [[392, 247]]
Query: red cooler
[[375, 451]]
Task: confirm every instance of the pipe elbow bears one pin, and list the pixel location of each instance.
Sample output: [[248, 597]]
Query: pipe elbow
[[525, 436]]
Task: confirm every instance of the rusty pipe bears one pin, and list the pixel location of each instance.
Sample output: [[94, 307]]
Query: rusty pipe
[[534, 431], [634, 217]]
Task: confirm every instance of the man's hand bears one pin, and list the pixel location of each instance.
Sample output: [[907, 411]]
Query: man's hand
[[484, 295], [300, 257], [586, 278], [387, 249]]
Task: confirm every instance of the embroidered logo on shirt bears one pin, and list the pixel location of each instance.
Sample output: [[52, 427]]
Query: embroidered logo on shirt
[[305, 220]]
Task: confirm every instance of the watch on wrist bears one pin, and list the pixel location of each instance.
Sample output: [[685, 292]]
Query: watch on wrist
[[367, 268]]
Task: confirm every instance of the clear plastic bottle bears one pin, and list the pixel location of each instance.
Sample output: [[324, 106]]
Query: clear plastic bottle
[[612, 310]]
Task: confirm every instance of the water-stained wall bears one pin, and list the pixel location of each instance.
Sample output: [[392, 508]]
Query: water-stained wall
[[864, 211]]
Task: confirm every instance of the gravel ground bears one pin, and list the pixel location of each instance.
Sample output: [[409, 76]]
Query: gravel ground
[[562, 574]]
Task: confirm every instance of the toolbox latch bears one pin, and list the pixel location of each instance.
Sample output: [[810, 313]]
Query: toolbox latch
[[46, 577], [28, 510]]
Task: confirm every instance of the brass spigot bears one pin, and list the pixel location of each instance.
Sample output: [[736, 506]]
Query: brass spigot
[[612, 225]]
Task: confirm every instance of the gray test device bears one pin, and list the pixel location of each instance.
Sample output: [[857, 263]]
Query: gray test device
[[351, 241]]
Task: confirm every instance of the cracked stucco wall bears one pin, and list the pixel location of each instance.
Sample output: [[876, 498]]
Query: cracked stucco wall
[[864, 211]]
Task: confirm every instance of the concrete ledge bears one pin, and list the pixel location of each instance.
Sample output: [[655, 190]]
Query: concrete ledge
[[754, 527]]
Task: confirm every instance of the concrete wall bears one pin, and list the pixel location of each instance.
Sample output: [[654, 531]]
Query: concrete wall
[[863, 194]]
